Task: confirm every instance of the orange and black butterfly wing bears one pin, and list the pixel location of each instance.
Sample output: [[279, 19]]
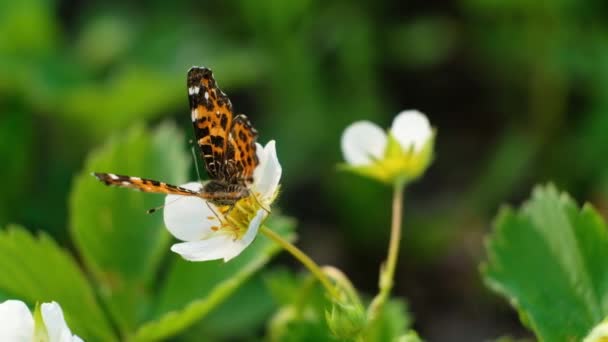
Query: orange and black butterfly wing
[[142, 184], [212, 114], [242, 148]]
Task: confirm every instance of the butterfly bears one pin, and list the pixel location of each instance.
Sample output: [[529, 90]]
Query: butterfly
[[226, 143]]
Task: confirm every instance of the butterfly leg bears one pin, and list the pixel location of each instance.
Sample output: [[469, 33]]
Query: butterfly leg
[[215, 213], [260, 203]]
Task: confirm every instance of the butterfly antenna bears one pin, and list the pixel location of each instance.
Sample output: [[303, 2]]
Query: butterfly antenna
[[155, 209], [198, 174], [214, 213]]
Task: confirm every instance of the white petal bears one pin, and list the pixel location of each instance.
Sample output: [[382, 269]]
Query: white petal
[[252, 231], [411, 128], [268, 173], [57, 328], [16, 322], [363, 142], [216, 247], [189, 218], [222, 246]]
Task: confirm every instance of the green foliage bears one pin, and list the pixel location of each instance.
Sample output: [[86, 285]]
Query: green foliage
[[254, 305], [549, 260], [212, 282], [517, 89], [33, 22], [410, 336], [122, 249], [305, 312], [392, 323], [105, 221], [14, 127], [423, 42], [345, 320], [35, 269]]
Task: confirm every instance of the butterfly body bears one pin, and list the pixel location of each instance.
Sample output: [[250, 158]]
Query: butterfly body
[[222, 193], [227, 146]]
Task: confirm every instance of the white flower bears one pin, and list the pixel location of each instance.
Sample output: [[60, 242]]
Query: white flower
[[412, 129], [403, 153], [211, 235], [17, 323], [599, 333], [363, 142]]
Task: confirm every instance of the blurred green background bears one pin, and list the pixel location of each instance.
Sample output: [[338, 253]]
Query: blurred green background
[[517, 91]]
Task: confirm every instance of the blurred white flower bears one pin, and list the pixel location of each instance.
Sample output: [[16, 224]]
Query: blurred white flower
[[211, 235], [599, 333], [18, 325], [412, 130], [363, 143], [401, 155]]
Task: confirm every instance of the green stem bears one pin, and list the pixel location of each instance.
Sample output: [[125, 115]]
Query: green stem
[[304, 259], [343, 283], [388, 270]]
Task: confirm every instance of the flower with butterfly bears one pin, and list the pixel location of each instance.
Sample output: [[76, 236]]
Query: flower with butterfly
[[212, 233], [218, 218]]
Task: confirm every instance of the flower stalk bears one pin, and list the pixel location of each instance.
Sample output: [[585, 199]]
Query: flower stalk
[[387, 272], [304, 259]]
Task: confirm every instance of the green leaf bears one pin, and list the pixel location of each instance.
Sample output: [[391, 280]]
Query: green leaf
[[410, 336], [37, 270], [16, 132], [193, 289], [28, 28], [393, 322], [549, 260], [283, 286], [163, 91], [120, 244], [254, 305], [302, 315]]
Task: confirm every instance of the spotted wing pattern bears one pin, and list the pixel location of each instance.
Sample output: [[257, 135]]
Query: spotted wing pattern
[[142, 184], [227, 146], [227, 143], [242, 148], [212, 118]]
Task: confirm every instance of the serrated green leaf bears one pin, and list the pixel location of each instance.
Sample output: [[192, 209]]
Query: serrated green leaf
[[549, 260], [37, 270], [120, 244], [193, 289]]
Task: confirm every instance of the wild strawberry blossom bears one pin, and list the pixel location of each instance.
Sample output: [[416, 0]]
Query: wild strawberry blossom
[[18, 325], [401, 155], [208, 232]]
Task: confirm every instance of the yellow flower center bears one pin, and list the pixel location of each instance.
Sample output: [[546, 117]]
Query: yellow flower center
[[236, 218]]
